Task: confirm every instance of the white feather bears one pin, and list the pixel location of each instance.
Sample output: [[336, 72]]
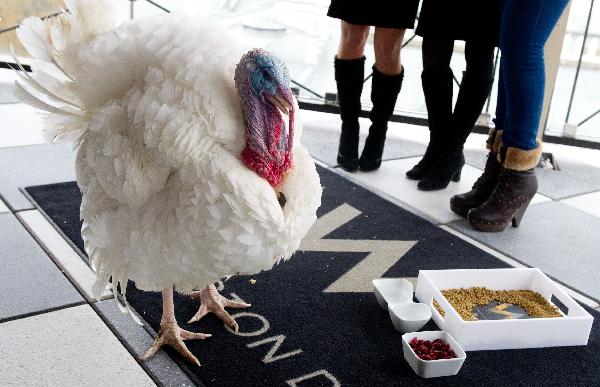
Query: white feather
[[166, 199], [31, 82], [30, 99], [32, 35]]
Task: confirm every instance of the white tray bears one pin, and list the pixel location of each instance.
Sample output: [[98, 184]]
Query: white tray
[[572, 329]]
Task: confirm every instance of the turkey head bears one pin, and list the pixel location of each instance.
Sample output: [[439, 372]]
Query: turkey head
[[263, 83]]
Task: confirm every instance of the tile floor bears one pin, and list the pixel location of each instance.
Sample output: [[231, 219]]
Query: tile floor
[[3, 208], [589, 203], [559, 234], [559, 239], [321, 137], [60, 251], [390, 179], [33, 165], [31, 283], [66, 347]]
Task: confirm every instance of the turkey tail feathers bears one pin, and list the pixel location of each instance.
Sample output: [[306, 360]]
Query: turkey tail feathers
[[53, 45]]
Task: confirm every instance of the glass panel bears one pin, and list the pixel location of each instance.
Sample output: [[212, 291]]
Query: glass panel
[[586, 100], [12, 12], [301, 34], [306, 39]]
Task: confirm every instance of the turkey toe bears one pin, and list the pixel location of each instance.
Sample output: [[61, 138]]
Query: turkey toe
[[213, 302], [172, 335]]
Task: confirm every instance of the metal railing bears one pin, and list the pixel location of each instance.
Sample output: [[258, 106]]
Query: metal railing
[[327, 102], [11, 65], [570, 129]]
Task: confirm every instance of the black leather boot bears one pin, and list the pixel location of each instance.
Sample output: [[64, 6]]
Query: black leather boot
[[384, 92], [484, 186], [448, 168], [437, 88], [471, 97], [516, 187], [349, 76]]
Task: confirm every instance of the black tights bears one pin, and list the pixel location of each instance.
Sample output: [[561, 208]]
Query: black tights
[[475, 86], [479, 56]]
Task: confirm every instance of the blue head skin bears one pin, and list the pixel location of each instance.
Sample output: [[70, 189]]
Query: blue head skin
[[269, 74], [263, 84]]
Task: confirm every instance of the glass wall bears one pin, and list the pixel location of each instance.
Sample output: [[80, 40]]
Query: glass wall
[[306, 39], [576, 97]]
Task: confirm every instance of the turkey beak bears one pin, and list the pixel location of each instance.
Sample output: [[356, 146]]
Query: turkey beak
[[281, 101]]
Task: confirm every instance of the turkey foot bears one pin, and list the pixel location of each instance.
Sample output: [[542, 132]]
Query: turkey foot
[[213, 302], [171, 334]]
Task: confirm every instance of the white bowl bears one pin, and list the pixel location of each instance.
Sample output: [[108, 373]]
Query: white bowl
[[392, 291], [409, 317], [433, 368]]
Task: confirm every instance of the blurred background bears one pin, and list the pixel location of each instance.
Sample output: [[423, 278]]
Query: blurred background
[[306, 39]]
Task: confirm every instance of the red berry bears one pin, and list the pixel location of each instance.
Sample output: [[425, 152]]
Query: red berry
[[432, 350]]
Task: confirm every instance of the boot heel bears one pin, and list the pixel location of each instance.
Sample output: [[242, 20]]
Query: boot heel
[[446, 170], [516, 220], [456, 177]]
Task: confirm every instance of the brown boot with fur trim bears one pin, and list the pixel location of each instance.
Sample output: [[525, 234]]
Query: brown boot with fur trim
[[484, 186], [516, 187]]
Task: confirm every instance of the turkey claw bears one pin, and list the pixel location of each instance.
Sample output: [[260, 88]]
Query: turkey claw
[[172, 335], [213, 302]]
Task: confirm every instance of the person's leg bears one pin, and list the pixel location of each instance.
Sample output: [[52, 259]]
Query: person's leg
[[349, 75], [485, 184], [437, 83], [388, 44], [352, 41], [526, 25], [474, 88], [385, 86], [500, 100]]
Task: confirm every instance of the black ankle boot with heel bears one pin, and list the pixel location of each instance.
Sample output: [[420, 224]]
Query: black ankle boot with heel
[[484, 186], [349, 76], [384, 92], [447, 168]]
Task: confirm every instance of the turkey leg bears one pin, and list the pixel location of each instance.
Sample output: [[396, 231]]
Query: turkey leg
[[171, 334], [213, 302]]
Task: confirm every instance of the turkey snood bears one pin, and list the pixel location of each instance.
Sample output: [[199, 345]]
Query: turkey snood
[[262, 81]]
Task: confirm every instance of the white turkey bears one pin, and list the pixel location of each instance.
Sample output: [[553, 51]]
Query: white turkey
[[188, 169]]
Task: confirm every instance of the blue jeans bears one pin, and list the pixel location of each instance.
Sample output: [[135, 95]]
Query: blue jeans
[[525, 27]]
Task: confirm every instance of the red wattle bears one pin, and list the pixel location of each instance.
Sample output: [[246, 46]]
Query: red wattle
[[266, 167], [271, 163]]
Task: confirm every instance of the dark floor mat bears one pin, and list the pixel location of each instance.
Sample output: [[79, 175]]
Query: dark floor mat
[[295, 332]]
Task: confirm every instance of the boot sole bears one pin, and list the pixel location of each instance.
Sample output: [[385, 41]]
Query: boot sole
[[428, 185], [415, 177], [485, 227], [347, 168], [369, 165], [491, 227], [349, 165]]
